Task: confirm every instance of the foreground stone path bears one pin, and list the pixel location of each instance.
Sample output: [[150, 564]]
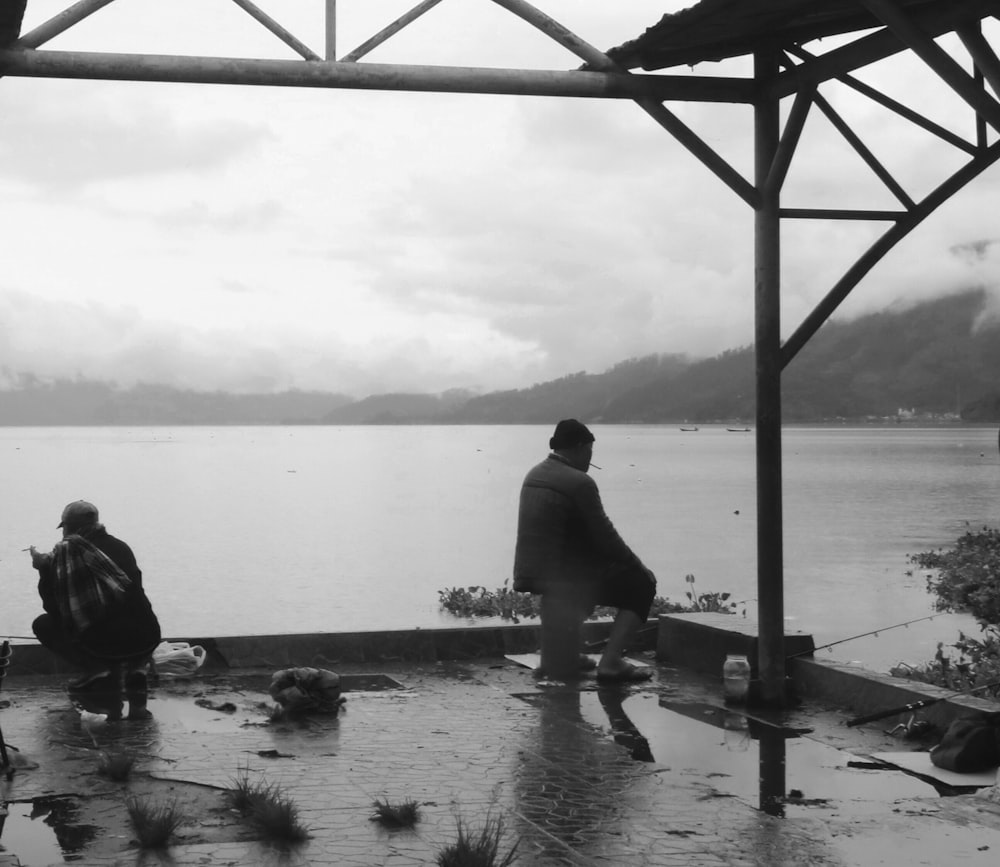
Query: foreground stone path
[[468, 742]]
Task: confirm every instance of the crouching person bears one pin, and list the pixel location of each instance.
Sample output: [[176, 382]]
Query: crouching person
[[97, 616]]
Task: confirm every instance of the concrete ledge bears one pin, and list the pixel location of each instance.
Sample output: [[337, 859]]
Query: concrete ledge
[[702, 641], [326, 649], [866, 692]]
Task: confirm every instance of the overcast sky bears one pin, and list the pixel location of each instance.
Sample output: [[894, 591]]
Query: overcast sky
[[250, 238]]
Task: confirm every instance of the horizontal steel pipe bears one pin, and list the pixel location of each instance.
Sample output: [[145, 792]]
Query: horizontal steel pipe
[[369, 76]]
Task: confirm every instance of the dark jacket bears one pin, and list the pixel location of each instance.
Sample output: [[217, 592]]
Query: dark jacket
[[128, 629], [563, 532]]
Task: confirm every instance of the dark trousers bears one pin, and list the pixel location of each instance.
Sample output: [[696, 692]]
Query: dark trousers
[[50, 633]]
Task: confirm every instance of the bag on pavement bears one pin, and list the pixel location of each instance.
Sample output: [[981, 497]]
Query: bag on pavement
[[178, 659], [969, 745]]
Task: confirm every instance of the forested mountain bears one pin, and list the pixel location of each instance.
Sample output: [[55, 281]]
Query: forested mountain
[[938, 359], [933, 359], [928, 360]]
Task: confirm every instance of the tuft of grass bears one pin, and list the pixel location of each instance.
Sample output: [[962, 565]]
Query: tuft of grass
[[116, 765], [402, 815], [268, 809], [244, 793], [478, 848], [154, 823], [277, 817]]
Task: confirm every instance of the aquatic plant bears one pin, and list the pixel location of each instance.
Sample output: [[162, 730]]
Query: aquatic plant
[[507, 604], [154, 823], [476, 601], [711, 601], [402, 815], [478, 848]]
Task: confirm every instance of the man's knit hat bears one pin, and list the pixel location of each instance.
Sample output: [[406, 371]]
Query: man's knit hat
[[569, 432]]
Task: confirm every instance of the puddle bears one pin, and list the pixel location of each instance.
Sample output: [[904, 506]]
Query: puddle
[[42, 831], [223, 710], [798, 776], [368, 683], [930, 843]]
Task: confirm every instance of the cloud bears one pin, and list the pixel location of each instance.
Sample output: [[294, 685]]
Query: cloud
[[102, 134], [231, 236], [122, 345]]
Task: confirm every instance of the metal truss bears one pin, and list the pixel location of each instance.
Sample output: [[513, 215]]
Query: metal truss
[[780, 72], [800, 76]]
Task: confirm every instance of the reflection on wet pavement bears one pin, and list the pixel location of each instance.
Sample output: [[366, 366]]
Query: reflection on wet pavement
[[657, 775], [759, 763]]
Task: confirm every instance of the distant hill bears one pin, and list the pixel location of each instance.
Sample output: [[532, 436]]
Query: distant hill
[[398, 408], [927, 361], [85, 402], [582, 395]]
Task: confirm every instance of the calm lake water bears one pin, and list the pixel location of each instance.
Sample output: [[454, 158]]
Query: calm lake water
[[243, 530]]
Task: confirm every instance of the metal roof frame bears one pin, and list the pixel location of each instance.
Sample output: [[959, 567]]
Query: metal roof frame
[[772, 32]]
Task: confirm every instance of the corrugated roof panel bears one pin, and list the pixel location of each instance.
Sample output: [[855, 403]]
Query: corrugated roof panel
[[719, 29]]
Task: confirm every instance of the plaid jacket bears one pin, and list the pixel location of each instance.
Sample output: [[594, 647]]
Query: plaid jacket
[[86, 585]]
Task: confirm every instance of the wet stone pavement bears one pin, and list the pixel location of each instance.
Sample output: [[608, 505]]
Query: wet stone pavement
[[661, 773]]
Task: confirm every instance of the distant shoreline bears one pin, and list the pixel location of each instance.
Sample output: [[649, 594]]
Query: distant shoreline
[[703, 425]]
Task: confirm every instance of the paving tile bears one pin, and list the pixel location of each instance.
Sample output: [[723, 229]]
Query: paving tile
[[467, 742]]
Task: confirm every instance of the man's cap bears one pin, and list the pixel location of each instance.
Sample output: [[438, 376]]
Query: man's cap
[[570, 432], [78, 514]]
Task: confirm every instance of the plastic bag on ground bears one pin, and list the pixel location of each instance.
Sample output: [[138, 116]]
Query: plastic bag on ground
[[178, 659]]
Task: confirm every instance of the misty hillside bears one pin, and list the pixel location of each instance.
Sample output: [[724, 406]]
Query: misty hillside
[[84, 402], [929, 360]]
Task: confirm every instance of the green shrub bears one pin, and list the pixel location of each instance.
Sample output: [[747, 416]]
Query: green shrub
[[966, 577], [977, 664]]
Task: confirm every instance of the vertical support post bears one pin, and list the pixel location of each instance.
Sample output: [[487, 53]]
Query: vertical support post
[[331, 30], [767, 337]]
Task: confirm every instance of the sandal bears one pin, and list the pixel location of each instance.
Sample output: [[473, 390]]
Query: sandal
[[629, 674]]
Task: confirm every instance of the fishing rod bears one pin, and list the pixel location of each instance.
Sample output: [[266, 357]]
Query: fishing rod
[[862, 635], [916, 705]]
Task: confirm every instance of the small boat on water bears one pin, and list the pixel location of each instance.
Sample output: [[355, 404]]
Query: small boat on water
[[689, 428], [738, 429]]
